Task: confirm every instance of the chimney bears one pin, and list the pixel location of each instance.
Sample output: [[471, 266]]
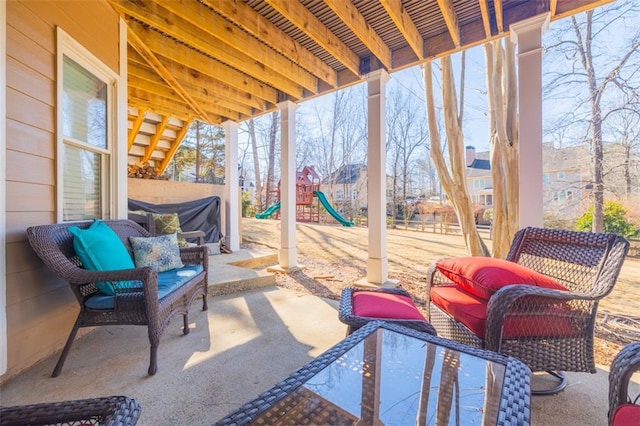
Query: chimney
[[470, 154]]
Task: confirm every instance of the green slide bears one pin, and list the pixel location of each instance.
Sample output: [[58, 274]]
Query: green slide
[[268, 212], [325, 203]]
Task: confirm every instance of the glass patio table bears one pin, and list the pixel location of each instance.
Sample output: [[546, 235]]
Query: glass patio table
[[385, 374]]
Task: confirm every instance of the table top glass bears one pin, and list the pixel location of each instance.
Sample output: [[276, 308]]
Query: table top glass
[[391, 378]]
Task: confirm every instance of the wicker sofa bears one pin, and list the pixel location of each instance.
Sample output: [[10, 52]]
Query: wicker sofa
[[142, 303], [549, 329]]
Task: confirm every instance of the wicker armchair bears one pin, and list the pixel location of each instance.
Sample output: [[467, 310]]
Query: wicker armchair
[[623, 408], [131, 306], [550, 330], [108, 411]]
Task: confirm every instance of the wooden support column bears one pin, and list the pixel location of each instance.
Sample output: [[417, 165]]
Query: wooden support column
[[527, 35], [231, 186], [377, 263], [288, 258]]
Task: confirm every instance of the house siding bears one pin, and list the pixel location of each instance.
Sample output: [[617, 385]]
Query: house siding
[[40, 309]]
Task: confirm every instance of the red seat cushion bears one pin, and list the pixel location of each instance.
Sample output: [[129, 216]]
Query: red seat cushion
[[626, 415], [471, 311], [374, 304], [483, 276]]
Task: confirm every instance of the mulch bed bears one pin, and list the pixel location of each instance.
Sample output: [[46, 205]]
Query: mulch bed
[[325, 279]]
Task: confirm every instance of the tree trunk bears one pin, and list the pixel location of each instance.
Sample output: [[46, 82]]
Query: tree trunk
[[271, 155], [454, 184], [256, 164]]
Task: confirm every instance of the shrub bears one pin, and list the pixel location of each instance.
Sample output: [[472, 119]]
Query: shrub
[[615, 220]]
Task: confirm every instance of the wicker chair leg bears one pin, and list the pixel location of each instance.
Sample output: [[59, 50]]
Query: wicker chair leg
[[153, 359], [185, 327], [562, 378], [65, 351]]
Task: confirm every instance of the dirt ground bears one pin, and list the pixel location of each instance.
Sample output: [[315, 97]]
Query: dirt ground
[[333, 257]]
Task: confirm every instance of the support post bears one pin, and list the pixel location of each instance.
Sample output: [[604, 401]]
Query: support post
[[288, 257], [377, 263], [527, 35], [231, 187]]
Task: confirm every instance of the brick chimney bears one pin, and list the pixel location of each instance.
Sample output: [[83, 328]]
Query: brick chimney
[[470, 154]]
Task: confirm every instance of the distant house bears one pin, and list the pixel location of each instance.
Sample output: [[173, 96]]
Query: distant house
[[347, 188], [566, 179]]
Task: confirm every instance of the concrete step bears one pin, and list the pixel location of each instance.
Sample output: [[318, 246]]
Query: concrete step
[[241, 270]]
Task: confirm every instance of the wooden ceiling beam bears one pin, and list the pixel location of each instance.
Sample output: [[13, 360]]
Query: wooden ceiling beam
[[205, 85], [553, 7], [486, 20], [451, 19], [282, 74], [353, 19], [175, 52], [135, 128], [167, 92], [405, 25], [497, 6], [233, 41], [151, 58], [571, 7], [300, 16], [147, 79], [153, 142], [174, 147], [258, 26], [160, 105]]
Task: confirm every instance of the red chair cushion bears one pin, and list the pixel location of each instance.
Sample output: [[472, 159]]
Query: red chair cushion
[[483, 276], [374, 304], [471, 311], [626, 415]]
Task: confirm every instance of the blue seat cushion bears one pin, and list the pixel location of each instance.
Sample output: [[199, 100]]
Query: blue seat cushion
[[168, 281]]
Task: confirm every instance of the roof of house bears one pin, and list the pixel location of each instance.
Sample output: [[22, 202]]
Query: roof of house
[[347, 173]]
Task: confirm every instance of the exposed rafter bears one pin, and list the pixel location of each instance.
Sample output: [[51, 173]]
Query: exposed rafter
[[486, 20], [553, 7], [136, 127], [405, 25], [300, 16], [258, 26], [153, 61], [497, 5], [358, 24], [451, 19]]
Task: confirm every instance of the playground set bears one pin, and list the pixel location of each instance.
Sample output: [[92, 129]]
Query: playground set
[[308, 200]]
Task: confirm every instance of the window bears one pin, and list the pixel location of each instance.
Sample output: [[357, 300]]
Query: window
[[86, 127], [478, 183]]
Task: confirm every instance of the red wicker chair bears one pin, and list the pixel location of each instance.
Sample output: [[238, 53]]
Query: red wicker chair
[[131, 306], [623, 409], [550, 330]]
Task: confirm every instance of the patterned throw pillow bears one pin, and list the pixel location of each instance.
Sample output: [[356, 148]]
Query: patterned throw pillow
[[160, 253], [169, 223]]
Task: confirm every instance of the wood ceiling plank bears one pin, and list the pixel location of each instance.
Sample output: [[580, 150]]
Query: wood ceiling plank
[[405, 25], [176, 52], [451, 19], [135, 128], [174, 146], [302, 18], [144, 51], [353, 19], [205, 85], [486, 20], [146, 79], [176, 107], [571, 7], [281, 74], [153, 142], [232, 40], [260, 27]]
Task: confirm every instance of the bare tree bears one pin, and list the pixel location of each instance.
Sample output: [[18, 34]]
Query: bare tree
[[454, 183], [256, 163], [581, 44]]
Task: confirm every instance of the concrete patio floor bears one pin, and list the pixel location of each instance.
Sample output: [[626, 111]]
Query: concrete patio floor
[[244, 344]]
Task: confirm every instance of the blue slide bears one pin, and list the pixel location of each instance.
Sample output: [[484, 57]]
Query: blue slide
[[325, 203]]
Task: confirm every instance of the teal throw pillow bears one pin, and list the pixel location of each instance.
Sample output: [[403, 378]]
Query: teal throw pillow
[[100, 249], [160, 253]]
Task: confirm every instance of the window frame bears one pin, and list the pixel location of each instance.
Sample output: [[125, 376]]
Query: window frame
[[69, 47]]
